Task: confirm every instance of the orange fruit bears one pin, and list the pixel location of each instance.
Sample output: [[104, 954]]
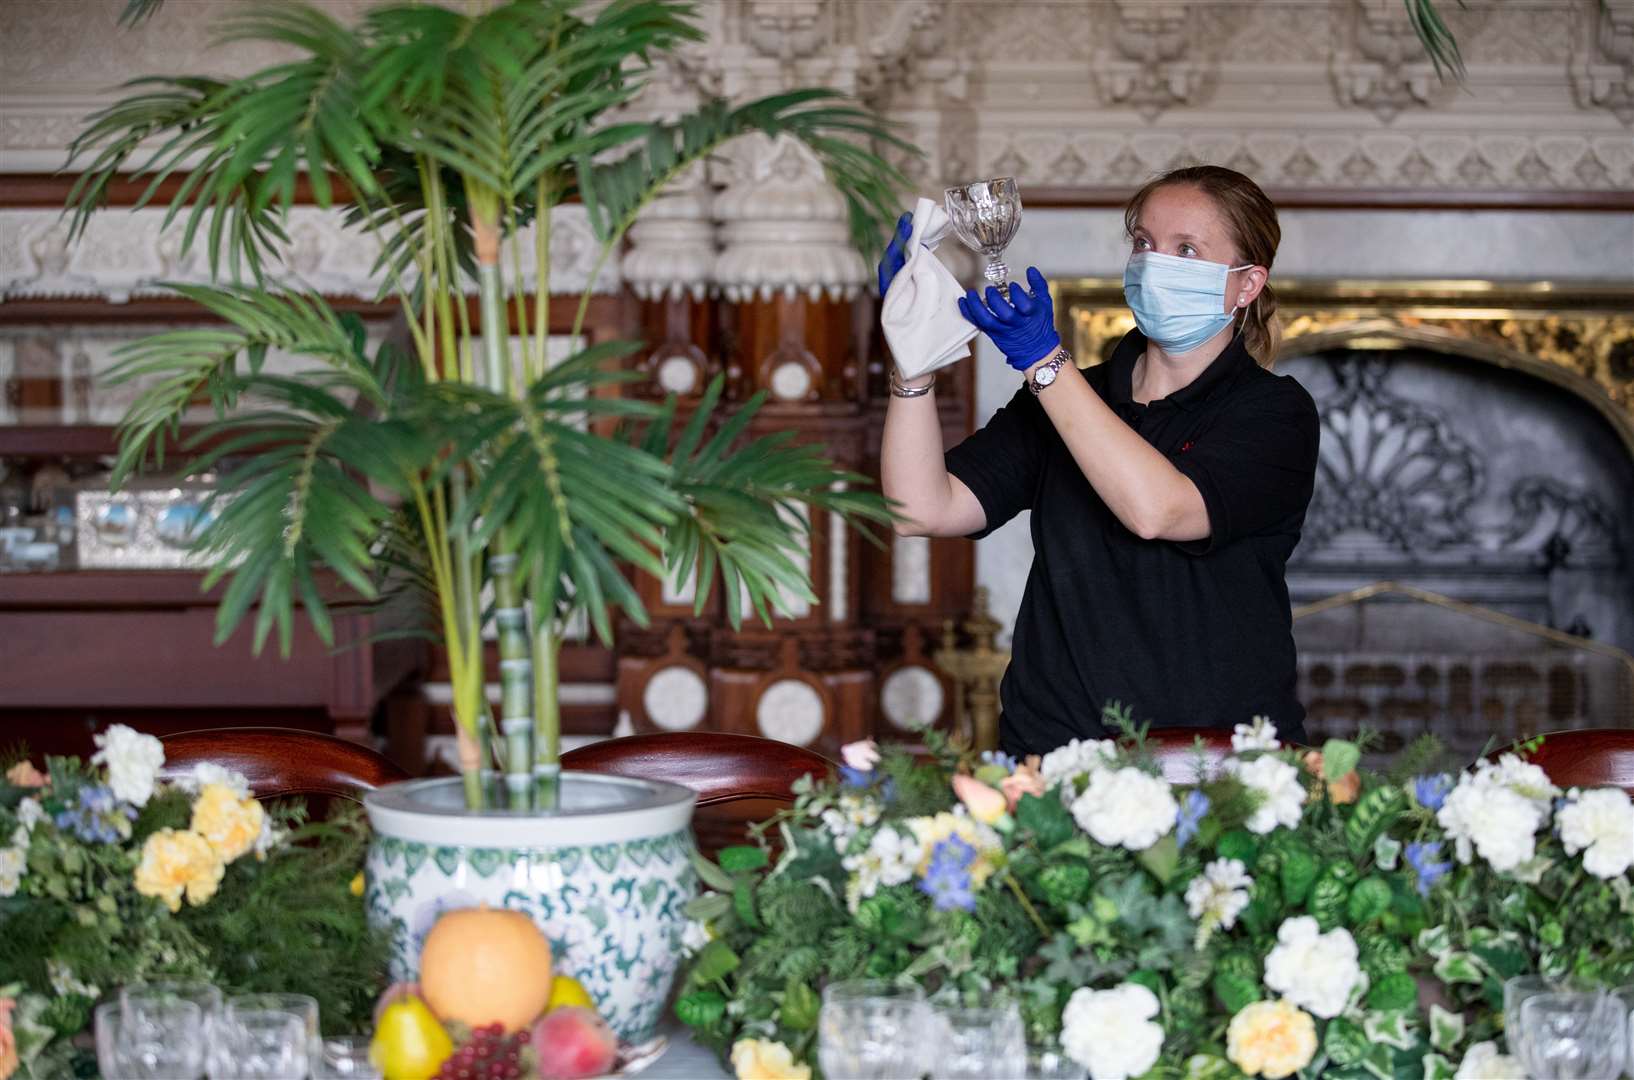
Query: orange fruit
[[484, 965]]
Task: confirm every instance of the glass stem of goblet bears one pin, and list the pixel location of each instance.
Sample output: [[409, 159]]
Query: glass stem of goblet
[[997, 274]]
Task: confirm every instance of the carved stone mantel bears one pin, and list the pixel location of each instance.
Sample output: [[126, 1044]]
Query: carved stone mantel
[[1304, 94]]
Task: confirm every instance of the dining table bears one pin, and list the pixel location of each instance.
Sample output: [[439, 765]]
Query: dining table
[[684, 1059]]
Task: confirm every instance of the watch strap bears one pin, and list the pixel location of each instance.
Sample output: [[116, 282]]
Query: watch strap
[[1053, 365]]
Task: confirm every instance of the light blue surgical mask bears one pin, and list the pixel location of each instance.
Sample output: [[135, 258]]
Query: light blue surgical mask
[[1178, 303]]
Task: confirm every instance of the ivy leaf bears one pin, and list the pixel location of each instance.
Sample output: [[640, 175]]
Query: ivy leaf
[[1046, 818], [1457, 967], [1161, 859], [1446, 1028], [714, 961], [742, 858], [711, 874], [1339, 759], [700, 1009], [800, 1006]]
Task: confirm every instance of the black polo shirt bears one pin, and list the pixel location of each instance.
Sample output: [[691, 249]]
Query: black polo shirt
[[1186, 634]]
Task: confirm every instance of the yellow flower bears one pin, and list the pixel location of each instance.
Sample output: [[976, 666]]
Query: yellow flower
[[231, 824], [357, 884], [1271, 1039], [930, 831], [174, 862], [763, 1059]]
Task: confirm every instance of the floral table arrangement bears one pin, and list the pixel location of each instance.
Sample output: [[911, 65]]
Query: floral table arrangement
[[1286, 915], [110, 875]]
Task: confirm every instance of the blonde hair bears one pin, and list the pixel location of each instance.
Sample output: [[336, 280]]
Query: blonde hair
[[1251, 219]]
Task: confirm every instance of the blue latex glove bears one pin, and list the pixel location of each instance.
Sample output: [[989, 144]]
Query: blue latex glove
[[896, 253], [1023, 327]]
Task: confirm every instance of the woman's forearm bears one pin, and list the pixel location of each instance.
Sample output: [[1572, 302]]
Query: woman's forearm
[[1152, 498], [912, 472]]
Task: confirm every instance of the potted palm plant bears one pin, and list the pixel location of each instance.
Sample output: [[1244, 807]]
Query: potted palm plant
[[468, 461]]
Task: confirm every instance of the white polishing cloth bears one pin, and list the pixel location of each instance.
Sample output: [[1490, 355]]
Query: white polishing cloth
[[920, 313]]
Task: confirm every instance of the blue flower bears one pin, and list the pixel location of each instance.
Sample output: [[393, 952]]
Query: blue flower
[[856, 777], [99, 818], [999, 758], [947, 880], [1421, 857], [1191, 816], [1431, 790]]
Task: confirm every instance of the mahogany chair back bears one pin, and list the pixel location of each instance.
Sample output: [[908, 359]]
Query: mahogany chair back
[[281, 762], [1587, 757], [1176, 753], [740, 779]]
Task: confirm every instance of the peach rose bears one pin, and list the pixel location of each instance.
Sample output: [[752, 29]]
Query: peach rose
[[24, 774], [861, 755], [8, 1041], [1343, 790], [231, 824], [984, 803], [763, 1059], [1026, 780], [1271, 1039], [176, 862]]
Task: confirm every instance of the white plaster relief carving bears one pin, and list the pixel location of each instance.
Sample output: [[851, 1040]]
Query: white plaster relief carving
[[123, 254], [1603, 71], [675, 698], [672, 244], [784, 226], [910, 570], [1143, 62], [1382, 67], [790, 710]]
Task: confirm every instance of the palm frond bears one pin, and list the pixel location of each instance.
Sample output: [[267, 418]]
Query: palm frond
[[615, 192], [741, 500], [138, 11], [181, 366], [1439, 42]]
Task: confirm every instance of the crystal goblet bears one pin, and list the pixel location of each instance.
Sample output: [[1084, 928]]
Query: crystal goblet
[[985, 216], [871, 1030]]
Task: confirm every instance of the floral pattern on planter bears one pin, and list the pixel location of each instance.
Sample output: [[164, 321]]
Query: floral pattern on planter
[[613, 912]]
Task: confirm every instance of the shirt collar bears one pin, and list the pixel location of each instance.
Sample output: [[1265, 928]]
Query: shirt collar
[[1213, 378]]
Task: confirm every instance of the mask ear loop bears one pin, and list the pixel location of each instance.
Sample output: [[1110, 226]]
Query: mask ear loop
[[1241, 307]]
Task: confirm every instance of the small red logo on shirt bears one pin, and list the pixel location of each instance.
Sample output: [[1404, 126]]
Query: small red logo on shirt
[[1187, 445]]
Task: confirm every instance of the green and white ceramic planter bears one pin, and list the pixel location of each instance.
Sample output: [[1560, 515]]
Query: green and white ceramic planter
[[605, 877]]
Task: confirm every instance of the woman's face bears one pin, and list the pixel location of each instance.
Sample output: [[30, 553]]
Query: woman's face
[[1178, 219]]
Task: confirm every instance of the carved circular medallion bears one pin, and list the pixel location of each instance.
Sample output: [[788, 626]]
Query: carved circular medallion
[[911, 697], [675, 698], [790, 710], [791, 381], [678, 375]]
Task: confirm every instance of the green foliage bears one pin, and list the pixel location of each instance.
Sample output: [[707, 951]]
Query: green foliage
[[1055, 913]]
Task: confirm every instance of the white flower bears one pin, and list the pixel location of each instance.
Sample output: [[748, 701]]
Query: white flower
[[206, 773], [694, 936], [1126, 808], [13, 865], [133, 762], [1495, 812], [1217, 896], [64, 983], [1524, 779], [29, 814], [1483, 1062], [1316, 971], [890, 859], [1281, 791], [1260, 735], [854, 813], [1600, 824], [1110, 1032], [1076, 758]]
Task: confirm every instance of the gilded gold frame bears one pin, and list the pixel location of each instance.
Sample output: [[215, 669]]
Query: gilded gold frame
[[1579, 337]]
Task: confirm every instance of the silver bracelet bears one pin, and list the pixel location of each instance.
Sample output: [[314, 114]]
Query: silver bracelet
[[898, 390]]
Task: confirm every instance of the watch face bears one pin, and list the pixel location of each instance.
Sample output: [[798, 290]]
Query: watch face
[[1046, 375]]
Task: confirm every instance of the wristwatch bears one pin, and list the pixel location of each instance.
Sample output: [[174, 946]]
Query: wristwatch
[[1046, 372]]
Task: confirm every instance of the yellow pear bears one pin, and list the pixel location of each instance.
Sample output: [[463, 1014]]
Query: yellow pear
[[409, 1043]]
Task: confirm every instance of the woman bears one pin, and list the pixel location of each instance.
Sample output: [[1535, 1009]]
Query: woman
[[1167, 486]]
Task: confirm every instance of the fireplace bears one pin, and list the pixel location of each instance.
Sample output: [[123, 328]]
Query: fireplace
[[1465, 568]]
